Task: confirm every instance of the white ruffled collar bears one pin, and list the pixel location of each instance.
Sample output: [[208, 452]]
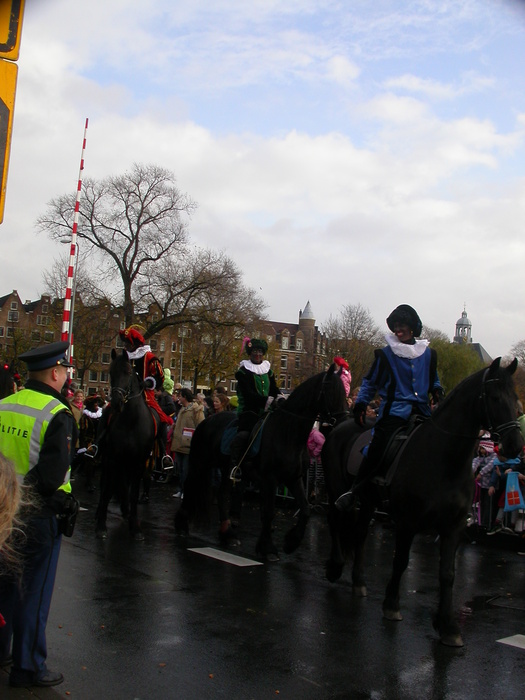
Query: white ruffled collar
[[139, 352], [263, 368], [405, 350], [93, 414]]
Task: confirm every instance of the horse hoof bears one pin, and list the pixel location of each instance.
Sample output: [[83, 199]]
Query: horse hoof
[[393, 615], [101, 534], [229, 539], [359, 591], [333, 571], [451, 640], [272, 557]]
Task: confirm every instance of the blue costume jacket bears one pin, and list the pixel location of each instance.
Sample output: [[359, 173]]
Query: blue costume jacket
[[403, 375]]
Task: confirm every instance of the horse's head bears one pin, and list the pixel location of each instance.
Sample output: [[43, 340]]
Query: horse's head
[[331, 400], [121, 375], [499, 407]]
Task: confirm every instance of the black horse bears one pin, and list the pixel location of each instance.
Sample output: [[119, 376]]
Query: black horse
[[280, 460], [431, 489], [126, 445]]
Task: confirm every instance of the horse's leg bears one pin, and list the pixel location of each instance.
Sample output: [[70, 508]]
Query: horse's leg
[[404, 538], [133, 499], [295, 535], [444, 622], [102, 508], [226, 534], [366, 511], [339, 524], [265, 547]]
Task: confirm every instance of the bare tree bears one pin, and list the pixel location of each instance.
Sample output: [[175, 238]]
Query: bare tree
[[354, 335], [131, 222], [434, 334]]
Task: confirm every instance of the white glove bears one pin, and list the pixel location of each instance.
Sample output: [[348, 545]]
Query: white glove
[[269, 402]]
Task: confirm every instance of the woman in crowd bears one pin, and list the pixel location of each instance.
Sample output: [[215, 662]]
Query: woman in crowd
[[190, 415]]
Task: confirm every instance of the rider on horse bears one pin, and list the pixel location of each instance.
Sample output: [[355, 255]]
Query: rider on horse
[[151, 375], [256, 389], [404, 373]]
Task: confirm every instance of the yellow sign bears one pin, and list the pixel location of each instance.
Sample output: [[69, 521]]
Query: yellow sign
[[8, 73], [11, 13]]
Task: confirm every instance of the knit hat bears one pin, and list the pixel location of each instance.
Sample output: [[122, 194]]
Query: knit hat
[[405, 314], [487, 443]]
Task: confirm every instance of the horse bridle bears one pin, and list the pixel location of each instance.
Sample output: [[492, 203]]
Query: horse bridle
[[328, 419], [126, 394], [503, 428]]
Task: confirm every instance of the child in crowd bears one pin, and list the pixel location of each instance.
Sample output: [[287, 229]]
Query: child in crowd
[[483, 467]]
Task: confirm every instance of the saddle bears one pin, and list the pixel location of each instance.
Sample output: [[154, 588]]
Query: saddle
[[390, 459], [231, 431]]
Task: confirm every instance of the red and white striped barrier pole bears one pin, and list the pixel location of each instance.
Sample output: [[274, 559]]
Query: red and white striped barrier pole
[[67, 316]]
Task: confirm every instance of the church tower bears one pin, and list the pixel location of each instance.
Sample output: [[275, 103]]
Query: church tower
[[463, 329]]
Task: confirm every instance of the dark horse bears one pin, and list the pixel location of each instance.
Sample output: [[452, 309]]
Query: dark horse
[[431, 489], [126, 446], [281, 458]]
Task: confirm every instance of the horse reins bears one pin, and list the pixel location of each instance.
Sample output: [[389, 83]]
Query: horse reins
[[499, 430]]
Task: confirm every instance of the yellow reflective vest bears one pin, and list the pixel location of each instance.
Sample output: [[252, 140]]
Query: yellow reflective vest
[[24, 419]]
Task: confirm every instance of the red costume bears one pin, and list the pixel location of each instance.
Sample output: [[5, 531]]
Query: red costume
[[148, 368]]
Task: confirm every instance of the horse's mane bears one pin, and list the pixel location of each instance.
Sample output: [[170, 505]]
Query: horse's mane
[[308, 391]]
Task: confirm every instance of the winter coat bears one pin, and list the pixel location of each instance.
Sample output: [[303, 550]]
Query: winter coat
[[188, 419]]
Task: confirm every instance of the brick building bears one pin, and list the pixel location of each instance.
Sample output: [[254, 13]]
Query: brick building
[[296, 350]]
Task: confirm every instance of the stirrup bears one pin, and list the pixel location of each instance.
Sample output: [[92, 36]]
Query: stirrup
[[167, 463], [236, 474], [92, 451]]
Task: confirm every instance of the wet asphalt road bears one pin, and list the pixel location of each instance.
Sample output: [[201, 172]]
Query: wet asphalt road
[[154, 620]]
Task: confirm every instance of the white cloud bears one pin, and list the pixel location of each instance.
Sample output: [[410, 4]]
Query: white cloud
[[309, 135]]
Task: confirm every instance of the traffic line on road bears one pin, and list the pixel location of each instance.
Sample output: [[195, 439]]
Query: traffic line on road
[[224, 556], [517, 640]]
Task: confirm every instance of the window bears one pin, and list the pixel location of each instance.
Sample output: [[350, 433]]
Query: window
[[299, 344], [289, 382], [233, 386], [45, 308], [35, 335], [297, 362], [42, 321], [93, 376], [184, 332], [104, 377], [12, 316], [49, 336], [282, 381], [173, 363], [10, 333], [122, 325], [14, 305], [153, 344], [106, 358], [119, 342], [2, 331], [162, 345], [174, 347], [285, 341], [284, 362]]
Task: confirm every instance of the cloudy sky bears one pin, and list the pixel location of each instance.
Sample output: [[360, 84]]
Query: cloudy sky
[[340, 152]]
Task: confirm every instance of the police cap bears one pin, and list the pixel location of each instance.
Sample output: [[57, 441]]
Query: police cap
[[46, 356]]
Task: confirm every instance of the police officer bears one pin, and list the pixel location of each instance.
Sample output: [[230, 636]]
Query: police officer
[[37, 433]]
